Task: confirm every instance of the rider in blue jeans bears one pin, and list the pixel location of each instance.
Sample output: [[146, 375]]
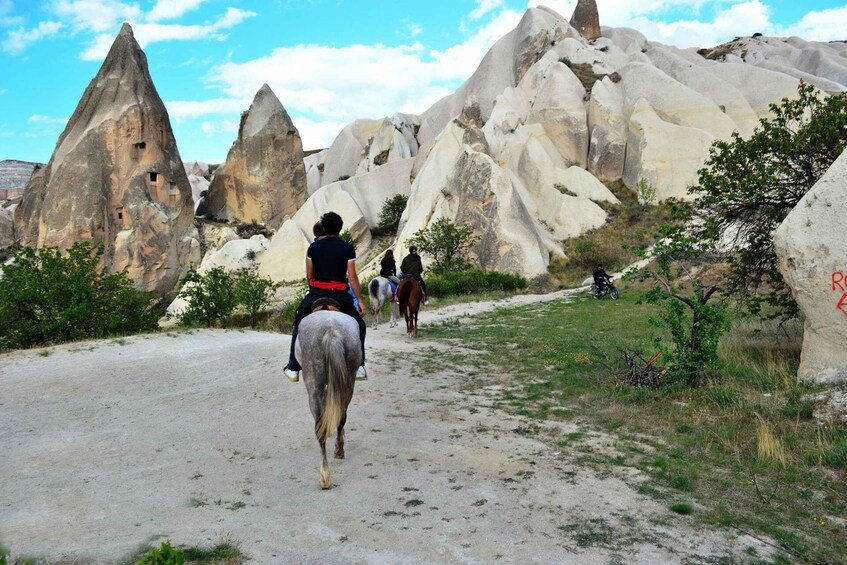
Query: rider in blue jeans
[[330, 264]]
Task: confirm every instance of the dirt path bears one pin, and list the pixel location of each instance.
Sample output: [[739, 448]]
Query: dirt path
[[195, 437]]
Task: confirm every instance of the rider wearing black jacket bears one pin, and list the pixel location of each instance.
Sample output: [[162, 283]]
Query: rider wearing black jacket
[[413, 266], [601, 278]]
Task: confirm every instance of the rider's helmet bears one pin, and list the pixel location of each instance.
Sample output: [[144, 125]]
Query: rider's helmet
[[413, 249]]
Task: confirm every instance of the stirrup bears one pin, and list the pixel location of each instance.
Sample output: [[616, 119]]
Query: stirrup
[[361, 374]]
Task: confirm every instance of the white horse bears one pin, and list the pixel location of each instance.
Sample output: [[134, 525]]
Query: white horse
[[380, 292], [329, 350]]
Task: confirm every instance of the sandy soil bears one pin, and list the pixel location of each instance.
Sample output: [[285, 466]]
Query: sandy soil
[[195, 437]]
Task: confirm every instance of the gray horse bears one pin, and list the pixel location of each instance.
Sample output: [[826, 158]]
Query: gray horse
[[329, 351], [380, 292]]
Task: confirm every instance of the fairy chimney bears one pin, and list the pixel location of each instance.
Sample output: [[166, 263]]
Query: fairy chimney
[[116, 178], [264, 177], [586, 19]]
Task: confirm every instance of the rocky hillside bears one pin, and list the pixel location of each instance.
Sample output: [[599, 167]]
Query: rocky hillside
[[556, 109], [13, 177]]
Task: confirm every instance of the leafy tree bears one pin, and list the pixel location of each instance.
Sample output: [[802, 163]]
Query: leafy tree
[[210, 296], [348, 237], [47, 297], [389, 216], [446, 243], [694, 321], [254, 293], [748, 187]]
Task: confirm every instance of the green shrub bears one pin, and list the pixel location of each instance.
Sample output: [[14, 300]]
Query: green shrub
[[446, 243], [389, 216], [210, 296], [473, 281], [163, 555], [836, 456], [254, 293], [683, 508], [348, 237], [47, 297]]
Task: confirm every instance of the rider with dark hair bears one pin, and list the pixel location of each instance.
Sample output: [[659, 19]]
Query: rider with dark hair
[[388, 267], [330, 264], [412, 266], [601, 278]]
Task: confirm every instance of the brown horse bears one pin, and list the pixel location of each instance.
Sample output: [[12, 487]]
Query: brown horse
[[409, 294]]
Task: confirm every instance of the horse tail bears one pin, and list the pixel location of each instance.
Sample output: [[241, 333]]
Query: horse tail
[[338, 385], [403, 296], [373, 291]]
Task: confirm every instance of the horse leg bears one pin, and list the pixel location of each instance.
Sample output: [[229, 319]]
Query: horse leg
[[393, 308], [326, 480], [339, 438]]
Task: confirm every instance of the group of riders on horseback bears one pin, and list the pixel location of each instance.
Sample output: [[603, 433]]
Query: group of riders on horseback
[[331, 273]]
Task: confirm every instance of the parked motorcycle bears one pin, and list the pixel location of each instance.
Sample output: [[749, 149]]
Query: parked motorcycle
[[609, 289]]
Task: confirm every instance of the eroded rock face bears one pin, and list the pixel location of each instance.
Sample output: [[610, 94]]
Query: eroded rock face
[[812, 255], [586, 19], [263, 178], [116, 178]]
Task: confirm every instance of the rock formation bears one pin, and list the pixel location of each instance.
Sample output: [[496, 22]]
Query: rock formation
[[586, 19], [812, 255], [14, 175], [363, 146], [116, 178], [263, 178]]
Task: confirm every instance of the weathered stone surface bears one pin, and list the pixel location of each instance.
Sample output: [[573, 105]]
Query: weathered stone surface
[[461, 182], [725, 96], [315, 164], [365, 145], [263, 178], [116, 178], [607, 125], [285, 258], [627, 40], [559, 106], [7, 228], [665, 155], [760, 87], [586, 20], [503, 66], [14, 176], [812, 255], [673, 101]]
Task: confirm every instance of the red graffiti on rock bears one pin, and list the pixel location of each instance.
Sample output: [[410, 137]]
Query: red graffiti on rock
[[839, 281], [842, 304]]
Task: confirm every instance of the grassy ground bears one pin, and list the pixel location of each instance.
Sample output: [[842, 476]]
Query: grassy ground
[[742, 452], [629, 227]]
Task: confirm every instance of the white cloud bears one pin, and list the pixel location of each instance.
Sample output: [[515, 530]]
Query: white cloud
[[825, 25], [187, 109], [317, 134], [483, 7], [148, 33], [172, 9], [325, 87], [38, 119], [3, 91], [99, 16], [222, 126], [6, 20], [18, 40], [737, 20]]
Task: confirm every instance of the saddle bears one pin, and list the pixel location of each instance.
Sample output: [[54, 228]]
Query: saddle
[[325, 304]]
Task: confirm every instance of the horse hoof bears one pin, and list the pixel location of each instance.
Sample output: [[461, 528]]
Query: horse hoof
[[339, 454]]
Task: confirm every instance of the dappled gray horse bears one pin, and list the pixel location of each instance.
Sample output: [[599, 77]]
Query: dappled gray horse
[[380, 292], [329, 350]]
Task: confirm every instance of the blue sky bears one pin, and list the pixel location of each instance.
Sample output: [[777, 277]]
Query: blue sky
[[329, 61]]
